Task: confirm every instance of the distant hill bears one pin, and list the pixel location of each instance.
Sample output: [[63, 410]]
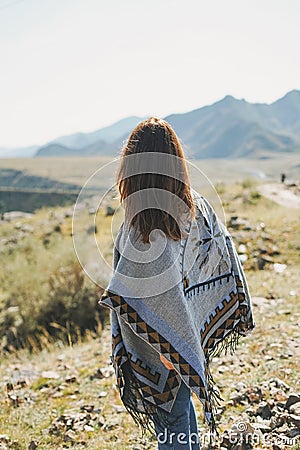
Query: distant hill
[[108, 134], [236, 128], [56, 150], [105, 141], [18, 152], [228, 128]]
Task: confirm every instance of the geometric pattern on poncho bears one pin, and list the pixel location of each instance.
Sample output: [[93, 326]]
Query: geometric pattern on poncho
[[188, 374], [216, 279], [223, 327]]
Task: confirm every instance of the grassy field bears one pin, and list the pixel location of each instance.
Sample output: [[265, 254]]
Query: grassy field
[[64, 395], [77, 171]]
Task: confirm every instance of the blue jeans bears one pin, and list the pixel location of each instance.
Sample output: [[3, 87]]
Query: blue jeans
[[179, 431]]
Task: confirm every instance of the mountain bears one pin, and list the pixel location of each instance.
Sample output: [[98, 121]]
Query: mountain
[[105, 141], [18, 152], [58, 150], [287, 112], [236, 128], [108, 134], [229, 128]]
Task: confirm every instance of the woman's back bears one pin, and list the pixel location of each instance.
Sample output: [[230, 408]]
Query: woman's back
[[178, 294]]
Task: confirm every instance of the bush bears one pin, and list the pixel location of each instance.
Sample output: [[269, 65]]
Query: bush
[[67, 312], [45, 295]]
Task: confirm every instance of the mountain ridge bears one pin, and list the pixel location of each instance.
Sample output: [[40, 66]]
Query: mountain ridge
[[230, 128]]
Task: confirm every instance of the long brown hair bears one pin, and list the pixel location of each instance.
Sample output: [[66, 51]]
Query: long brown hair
[[154, 137]]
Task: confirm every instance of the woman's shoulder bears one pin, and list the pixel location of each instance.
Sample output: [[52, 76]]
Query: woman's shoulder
[[201, 204], [206, 214]]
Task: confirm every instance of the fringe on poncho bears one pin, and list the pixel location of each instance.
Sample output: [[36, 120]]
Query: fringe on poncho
[[187, 300]]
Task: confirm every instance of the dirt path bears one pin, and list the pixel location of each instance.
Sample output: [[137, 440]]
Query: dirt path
[[280, 194]]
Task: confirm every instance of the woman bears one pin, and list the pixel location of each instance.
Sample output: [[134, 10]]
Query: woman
[[178, 294]]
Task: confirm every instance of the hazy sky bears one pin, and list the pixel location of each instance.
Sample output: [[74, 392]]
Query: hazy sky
[[78, 65]]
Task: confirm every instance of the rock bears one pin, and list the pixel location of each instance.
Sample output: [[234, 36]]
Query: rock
[[222, 369], [293, 398], [243, 257], [285, 312], [239, 436], [242, 248], [22, 383], [97, 375], [225, 441], [15, 445], [295, 409], [263, 427], [71, 379], [254, 397], [250, 411], [102, 394], [239, 399], [279, 395], [26, 228], [76, 422], [4, 446], [110, 211], [279, 268], [264, 410], [279, 383], [57, 394], [15, 400], [263, 260], [260, 263], [295, 420], [120, 408], [276, 422], [87, 408], [261, 302], [70, 436], [111, 424], [101, 421], [13, 215], [51, 375], [9, 387], [241, 446], [240, 386], [239, 223], [92, 229]]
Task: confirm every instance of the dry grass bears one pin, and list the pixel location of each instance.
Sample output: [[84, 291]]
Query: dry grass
[[261, 356], [77, 170]]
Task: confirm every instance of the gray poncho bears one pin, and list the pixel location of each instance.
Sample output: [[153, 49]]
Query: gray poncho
[[187, 300]]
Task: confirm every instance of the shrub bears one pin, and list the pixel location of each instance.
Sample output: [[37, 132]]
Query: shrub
[[45, 295]]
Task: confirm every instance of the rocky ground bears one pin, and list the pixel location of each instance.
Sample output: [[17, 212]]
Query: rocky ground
[[65, 397]]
